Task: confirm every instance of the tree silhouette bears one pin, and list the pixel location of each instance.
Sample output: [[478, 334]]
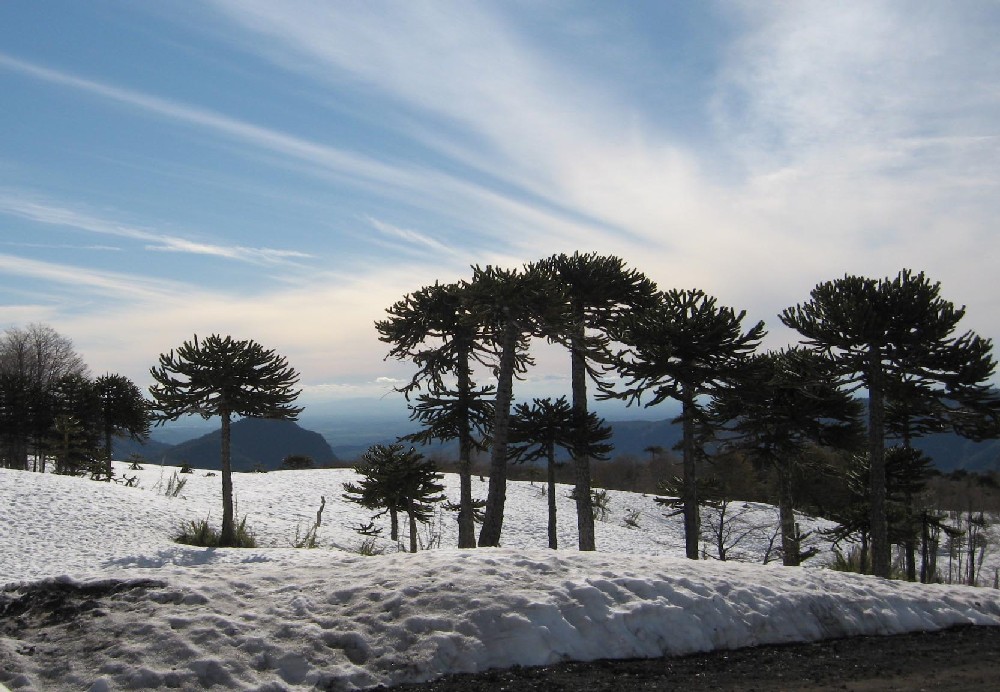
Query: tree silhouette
[[683, 346], [537, 430], [394, 479], [124, 411], [511, 306], [435, 328], [886, 335], [785, 402], [220, 376], [597, 291]]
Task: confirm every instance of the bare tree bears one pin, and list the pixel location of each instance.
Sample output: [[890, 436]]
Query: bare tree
[[39, 353]]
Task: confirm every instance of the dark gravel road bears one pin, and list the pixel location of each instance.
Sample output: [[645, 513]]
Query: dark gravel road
[[961, 658]]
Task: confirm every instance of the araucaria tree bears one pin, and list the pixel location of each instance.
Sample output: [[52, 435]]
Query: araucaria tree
[[880, 334], [124, 411], [683, 346], [596, 291], [510, 306], [435, 328], [786, 402], [393, 480], [220, 376], [538, 430]]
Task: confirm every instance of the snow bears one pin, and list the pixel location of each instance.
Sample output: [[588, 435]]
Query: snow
[[278, 617]]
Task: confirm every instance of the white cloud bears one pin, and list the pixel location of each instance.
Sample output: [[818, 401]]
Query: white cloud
[[25, 205]]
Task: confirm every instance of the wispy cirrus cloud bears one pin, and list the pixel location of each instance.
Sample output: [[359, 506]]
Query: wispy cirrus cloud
[[89, 281], [408, 239], [22, 204]]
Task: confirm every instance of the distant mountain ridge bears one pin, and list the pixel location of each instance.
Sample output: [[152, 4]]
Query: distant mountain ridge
[[256, 443], [264, 443]]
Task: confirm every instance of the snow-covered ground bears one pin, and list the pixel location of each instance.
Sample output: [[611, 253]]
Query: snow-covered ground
[[277, 617]]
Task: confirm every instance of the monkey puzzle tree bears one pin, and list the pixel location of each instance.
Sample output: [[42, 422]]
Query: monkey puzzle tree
[[72, 414], [596, 292], [683, 346], [393, 480], [879, 334], [785, 402], [435, 328], [220, 376], [510, 306], [537, 430], [124, 411]]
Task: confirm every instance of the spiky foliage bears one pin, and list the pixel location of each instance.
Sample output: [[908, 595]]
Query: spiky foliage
[[221, 376], [538, 429], [897, 336], [682, 347], [596, 291], [395, 479]]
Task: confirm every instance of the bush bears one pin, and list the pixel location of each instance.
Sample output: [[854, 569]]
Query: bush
[[203, 535], [297, 462]]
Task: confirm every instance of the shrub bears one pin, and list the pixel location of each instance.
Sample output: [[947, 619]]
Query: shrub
[[370, 547], [175, 485], [297, 462], [203, 535]]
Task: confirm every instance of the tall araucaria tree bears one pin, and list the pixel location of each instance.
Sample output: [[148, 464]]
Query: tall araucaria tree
[[435, 328], [510, 306], [221, 376], [598, 290], [880, 334], [683, 346]]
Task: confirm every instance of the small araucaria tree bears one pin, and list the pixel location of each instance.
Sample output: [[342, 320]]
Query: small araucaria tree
[[537, 430], [124, 411], [220, 376], [395, 479]]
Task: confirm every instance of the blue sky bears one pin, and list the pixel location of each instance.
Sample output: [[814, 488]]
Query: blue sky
[[284, 171]]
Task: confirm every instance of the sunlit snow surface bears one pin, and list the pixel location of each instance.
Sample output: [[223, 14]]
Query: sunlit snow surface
[[278, 617]]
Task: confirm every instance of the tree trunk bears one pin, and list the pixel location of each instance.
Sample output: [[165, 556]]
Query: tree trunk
[[496, 496], [790, 549], [466, 520], [108, 471], [692, 517], [228, 536], [393, 524], [581, 461], [550, 455], [413, 529], [925, 540], [880, 549]]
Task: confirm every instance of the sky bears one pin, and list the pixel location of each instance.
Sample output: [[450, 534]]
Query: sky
[[276, 617], [284, 172]]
